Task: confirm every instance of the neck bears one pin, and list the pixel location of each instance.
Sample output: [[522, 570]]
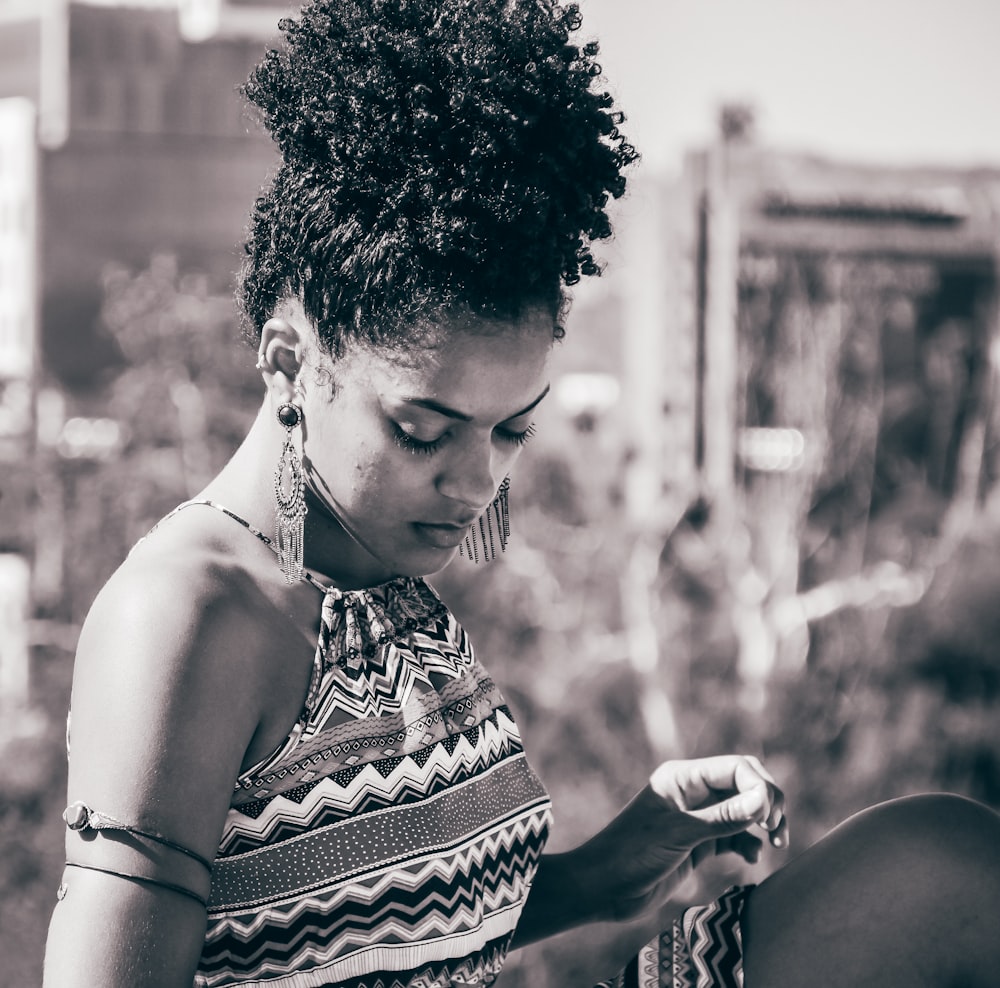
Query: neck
[[334, 550]]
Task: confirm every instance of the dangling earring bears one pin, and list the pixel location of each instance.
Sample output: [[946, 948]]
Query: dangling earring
[[494, 528], [289, 497]]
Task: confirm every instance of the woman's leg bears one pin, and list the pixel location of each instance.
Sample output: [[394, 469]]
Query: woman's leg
[[906, 893]]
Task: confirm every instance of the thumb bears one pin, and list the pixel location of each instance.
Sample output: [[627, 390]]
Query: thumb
[[733, 815]]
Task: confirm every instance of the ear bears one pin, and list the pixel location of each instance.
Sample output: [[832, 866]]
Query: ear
[[279, 356]]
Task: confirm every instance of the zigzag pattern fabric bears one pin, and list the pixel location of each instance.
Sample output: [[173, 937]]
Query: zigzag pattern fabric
[[390, 842], [703, 949]]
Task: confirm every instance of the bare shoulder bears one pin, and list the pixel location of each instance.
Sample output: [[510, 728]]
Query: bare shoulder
[[167, 687], [168, 691], [176, 614], [175, 603]]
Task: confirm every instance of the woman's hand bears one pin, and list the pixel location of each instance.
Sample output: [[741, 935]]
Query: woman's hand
[[690, 810]]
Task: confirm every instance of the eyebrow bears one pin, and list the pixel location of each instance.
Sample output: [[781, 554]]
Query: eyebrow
[[454, 413]]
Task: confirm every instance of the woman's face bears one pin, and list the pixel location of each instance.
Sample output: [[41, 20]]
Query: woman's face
[[409, 449]]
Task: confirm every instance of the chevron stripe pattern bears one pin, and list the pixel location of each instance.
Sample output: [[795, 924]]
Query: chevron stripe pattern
[[715, 942], [391, 840], [702, 949]]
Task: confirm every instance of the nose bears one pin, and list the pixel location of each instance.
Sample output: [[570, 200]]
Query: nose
[[472, 476]]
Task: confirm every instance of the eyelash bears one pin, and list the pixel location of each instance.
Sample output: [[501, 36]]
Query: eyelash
[[517, 438], [413, 445]]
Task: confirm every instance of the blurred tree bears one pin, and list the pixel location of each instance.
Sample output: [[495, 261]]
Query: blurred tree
[[884, 367]]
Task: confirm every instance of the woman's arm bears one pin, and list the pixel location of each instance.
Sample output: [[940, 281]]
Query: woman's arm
[[689, 811], [163, 710]]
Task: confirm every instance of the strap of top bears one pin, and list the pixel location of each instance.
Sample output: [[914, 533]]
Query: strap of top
[[356, 627], [250, 528], [355, 624]]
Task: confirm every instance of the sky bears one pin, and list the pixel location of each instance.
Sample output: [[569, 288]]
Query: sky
[[891, 81]]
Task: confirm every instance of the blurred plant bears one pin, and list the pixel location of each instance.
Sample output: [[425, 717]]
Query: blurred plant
[[185, 396]]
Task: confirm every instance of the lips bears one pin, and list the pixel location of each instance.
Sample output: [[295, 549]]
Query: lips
[[440, 536]]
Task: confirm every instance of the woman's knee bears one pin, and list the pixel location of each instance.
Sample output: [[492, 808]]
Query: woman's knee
[[879, 895], [933, 837], [914, 837]]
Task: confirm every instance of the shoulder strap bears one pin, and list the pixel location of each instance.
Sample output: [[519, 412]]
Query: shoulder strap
[[250, 528], [220, 507]]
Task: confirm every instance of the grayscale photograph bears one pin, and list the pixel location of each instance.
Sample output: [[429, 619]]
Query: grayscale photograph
[[499, 493]]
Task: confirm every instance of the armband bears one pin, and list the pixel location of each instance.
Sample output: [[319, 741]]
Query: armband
[[81, 818], [142, 879]]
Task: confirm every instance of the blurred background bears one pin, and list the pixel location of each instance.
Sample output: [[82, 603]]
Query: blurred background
[[762, 509]]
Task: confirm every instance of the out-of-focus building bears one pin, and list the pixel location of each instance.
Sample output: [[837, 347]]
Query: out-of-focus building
[[677, 329], [18, 319], [145, 145], [811, 358], [122, 134]]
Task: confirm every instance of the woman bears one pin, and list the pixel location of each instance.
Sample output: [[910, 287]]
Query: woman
[[287, 766]]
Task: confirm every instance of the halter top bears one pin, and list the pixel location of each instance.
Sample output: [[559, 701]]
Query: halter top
[[390, 841]]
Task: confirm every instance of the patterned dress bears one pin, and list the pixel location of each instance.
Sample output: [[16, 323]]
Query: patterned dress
[[391, 840]]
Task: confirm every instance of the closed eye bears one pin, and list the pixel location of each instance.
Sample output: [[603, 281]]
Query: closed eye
[[409, 442], [514, 437], [412, 444]]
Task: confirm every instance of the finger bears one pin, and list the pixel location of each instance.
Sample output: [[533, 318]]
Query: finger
[[689, 783], [759, 765], [776, 823], [776, 813], [778, 836], [739, 812], [727, 792], [698, 781]]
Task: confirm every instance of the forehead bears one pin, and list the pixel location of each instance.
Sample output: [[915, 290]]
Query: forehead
[[491, 373]]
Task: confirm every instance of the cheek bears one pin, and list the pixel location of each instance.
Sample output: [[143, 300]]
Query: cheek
[[360, 471], [386, 480], [366, 470]]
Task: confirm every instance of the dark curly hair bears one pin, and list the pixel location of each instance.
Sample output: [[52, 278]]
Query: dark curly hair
[[438, 156]]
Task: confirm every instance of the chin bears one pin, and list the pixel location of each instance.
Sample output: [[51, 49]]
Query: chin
[[427, 563], [418, 561]]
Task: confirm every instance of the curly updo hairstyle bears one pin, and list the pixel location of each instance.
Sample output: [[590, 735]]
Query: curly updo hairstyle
[[437, 157]]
